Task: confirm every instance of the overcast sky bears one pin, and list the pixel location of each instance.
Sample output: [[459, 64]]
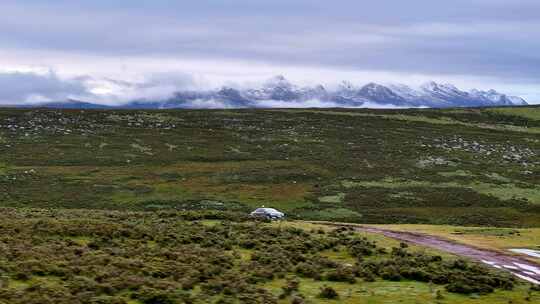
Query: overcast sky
[[115, 50]]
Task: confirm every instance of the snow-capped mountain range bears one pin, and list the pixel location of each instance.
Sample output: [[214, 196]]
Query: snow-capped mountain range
[[279, 92]]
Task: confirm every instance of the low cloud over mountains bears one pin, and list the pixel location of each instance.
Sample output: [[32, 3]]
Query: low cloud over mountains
[[180, 91], [28, 88], [470, 43], [279, 92]]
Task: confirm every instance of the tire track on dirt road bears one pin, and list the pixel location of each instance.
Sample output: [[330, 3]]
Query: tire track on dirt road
[[518, 266]]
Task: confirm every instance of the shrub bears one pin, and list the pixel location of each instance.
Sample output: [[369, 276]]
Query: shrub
[[290, 287], [308, 270], [189, 283], [341, 274], [108, 300], [328, 292], [368, 277], [391, 273], [438, 295], [399, 252], [158, 298], [465, 286], [460, 264], [416, 274]]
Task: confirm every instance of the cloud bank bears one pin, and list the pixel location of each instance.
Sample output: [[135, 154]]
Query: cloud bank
[[184, 91], [485, 43], [25, 88]]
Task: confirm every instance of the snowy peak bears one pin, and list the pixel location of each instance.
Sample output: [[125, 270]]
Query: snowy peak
[[497, 98], [453, 96], [405, 91], [316, 92], [517, 101], [346, 90], [380, 94], [226, 93], [278, 91], [275, 88], [346, 86], [442, 90], [278, 81]]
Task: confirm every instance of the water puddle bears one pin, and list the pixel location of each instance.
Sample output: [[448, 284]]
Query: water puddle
[[529, 252]]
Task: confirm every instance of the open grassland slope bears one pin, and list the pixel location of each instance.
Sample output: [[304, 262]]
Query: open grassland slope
[[457, 166]]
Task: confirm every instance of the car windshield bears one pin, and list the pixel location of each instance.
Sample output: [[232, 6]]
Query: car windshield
[[266, 210]]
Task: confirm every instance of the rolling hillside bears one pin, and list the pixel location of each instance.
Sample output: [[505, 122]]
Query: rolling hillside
[[454, 166]]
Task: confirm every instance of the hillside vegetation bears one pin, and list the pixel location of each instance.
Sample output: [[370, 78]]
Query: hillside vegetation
[[455, 166], [76, 256]]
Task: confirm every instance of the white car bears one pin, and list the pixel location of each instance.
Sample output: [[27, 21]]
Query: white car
[[267, 213]]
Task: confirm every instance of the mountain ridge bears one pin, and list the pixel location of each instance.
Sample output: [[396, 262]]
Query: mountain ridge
[[279, 92]]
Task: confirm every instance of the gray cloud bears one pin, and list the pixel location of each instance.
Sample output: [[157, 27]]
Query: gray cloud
[[477, 38], [18, 87], [32, 88]]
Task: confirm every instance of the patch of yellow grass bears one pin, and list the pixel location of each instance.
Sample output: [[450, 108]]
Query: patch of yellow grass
[[81, 240]]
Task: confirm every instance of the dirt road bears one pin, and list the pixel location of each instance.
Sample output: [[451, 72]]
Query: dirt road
[[518, 266]]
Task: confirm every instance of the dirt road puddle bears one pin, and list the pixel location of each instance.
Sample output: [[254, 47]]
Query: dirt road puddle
[[520, 267]]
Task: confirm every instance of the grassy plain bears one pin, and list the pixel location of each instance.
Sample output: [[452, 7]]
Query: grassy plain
[[477, 167]]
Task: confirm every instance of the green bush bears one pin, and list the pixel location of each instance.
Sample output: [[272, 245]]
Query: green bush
[[290, 287], [327, 292], [341, 274]]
